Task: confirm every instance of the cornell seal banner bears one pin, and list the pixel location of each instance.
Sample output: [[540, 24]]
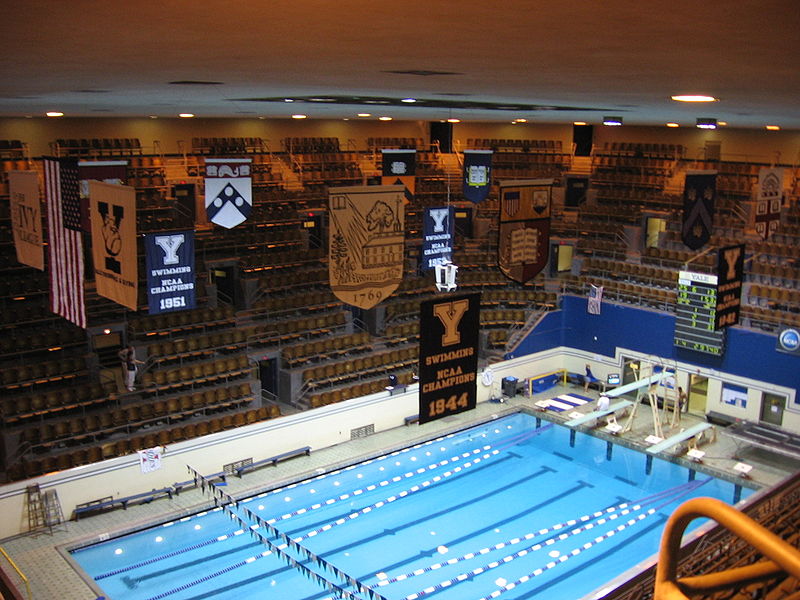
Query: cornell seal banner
[[524, 227], [366, 243], [113, 219], [448, 355]]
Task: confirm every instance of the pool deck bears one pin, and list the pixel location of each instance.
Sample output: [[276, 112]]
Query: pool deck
[[51, 576]]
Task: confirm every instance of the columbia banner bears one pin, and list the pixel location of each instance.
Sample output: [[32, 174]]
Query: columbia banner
[[229, 191], [170, 271], [730, 275], [399, 168], [524, 227], [699, 194], [26, 217], [448, 355], [477, 174], [437, 236], [769, 201], [113, 217], [366, 243], [109, 171]]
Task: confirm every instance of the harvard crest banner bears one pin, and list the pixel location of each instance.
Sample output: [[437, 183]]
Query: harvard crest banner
[[170, 271], [366, 243], [769, 201], [524, 227], [699, 194], [109, 171], [437, 236], [448, 355], [477, 174], [26, 217], [399, 168], [229, 191], [113, 217]]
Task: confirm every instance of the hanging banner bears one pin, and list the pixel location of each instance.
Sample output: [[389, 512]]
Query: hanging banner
[[477, 174], [169, 261], [229, 191], [366, 243], [109, 171], [114, 242], [448, 356], [150, 459], [769, 201], [26, 217], [595, 299], [699, 194], [399, 168], [437, 236], [730, 275], [524, 227]]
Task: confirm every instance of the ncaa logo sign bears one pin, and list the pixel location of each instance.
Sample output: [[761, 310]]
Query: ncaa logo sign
[[789, 341]]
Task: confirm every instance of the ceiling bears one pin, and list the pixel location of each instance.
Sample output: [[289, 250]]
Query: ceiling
[[553, 62]]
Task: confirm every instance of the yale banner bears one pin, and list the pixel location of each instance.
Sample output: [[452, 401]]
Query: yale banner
[[229, 191], [113, 218], [170, 271], [110, 171], [524, 227], [366, 243], [699, 194], [448, 355], [26, 217], [399, 168], [769, 201], [730, 275], [477, 174], [437, 236]]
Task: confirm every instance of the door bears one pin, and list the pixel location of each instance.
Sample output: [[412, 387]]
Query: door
[[772, 406], [698, 393], [268, 373]]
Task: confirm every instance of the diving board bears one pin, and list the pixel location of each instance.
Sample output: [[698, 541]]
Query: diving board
[[684, 435], [635, 385], [597, 414]]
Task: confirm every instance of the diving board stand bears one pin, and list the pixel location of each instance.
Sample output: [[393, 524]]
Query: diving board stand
[[691, 433], [594, 415], [639, 384]]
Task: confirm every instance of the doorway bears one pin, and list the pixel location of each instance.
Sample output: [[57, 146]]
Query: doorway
[[698, 393], [225, 280], [772, 406], [268, 373]]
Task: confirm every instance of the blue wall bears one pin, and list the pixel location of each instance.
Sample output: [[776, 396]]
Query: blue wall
[[747, 353]]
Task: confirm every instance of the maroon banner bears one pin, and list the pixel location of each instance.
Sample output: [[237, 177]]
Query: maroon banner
[[524, 228]]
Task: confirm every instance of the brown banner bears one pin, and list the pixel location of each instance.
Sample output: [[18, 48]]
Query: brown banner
[[26, 217], [113, 218]]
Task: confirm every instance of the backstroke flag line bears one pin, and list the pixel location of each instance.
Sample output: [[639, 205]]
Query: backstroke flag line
[[477, 174], [399, 168], [524, 227], [699, 194], [65, 247], [366, 242], [113, 217], [26, 217]]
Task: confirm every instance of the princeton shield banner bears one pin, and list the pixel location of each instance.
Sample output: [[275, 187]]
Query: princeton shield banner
[[524, 227], [229, 191], [699, 194], [366, 243]]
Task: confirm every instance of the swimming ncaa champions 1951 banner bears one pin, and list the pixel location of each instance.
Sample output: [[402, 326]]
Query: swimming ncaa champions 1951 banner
[[448, 355], [170, 271]]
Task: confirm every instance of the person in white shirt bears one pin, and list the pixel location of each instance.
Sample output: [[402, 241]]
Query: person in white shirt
[[603, 403]]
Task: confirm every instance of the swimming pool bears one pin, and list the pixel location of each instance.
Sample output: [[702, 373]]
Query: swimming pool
[[501, 509]]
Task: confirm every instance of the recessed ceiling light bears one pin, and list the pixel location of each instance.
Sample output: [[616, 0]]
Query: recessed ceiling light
[[453, 120], [54, 113], [693, 98], [773, 128], [364, 115], [153, 116], [706, 123], [520, 120], [612, 121], [409, 100], [186, 115], [299, 116], [288, 99], [673, 125], [579, 122], [384, 118], [722, 123]]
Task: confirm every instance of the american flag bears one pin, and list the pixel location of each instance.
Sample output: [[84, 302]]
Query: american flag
[[65, 246]]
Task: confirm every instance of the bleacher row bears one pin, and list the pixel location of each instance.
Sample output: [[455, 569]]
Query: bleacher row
[[328, 348], [97, 147], [357, 390], [362, 367]]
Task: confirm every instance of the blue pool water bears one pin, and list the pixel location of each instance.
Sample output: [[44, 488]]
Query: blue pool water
[[500, 510]]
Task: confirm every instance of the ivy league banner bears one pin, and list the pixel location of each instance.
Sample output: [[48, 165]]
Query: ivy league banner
[[524, 227], [769, 201], [170, 271], [699, 193], [113, 218], [477, 174], [366, 242], [448, 355], [26, 217], [437, 236], [399, 168], [229, 191]]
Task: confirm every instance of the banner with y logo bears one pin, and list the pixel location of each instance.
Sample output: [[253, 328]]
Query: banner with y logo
[[437, 236], [730, 274], [170, 271]]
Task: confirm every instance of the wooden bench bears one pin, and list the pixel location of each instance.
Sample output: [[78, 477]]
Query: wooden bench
[[273, 460], [109, 502]]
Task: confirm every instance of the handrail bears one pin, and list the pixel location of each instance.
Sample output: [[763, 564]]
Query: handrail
[[781, 557], [20, 573]]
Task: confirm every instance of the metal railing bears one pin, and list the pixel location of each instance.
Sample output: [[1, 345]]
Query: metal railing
[[20, 574]]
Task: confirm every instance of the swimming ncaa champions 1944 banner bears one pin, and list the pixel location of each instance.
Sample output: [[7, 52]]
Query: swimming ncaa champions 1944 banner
[[170, 271], [448, 355]]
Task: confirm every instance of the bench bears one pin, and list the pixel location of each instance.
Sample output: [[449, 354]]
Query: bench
[[177, 487], [109, 502], [686, 434], [411, 419], [273, 460]]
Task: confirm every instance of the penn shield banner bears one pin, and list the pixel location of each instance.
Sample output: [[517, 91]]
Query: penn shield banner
[[699, 195], [109, 171], [524, 227], [169, 259], [769, 201], [730, 275], [366, 242], [477, 174], [399, 168], [229, 191], [448, 355], [26, 218], [437, 236], [113, 217]]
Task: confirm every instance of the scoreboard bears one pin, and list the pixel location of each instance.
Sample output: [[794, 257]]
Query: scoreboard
[[695, 311]]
